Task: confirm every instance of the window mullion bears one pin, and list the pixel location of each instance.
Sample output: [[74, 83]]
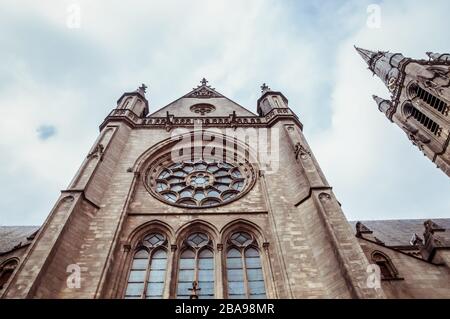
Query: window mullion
[[244, 269], [196, 265], [147, 273]]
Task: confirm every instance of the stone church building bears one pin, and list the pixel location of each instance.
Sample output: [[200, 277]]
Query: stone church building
[[205, 199]]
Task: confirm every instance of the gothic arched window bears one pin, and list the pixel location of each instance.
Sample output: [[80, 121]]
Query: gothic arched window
[[196, 264], [411, 111], [245, 277], [148, 269], [387, 268], [6, 270]]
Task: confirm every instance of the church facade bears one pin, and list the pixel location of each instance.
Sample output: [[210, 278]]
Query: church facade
[[206, 199]]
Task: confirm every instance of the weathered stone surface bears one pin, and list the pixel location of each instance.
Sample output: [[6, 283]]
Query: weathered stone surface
[[307, 248]]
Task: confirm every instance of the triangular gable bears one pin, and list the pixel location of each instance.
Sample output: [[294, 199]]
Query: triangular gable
[[202, 95], [203, 91]]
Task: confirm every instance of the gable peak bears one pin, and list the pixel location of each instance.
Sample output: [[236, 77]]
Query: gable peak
[[204, 90]]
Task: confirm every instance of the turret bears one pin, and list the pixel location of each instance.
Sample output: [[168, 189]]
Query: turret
[[383, 105], [270, 100], [134, 101]]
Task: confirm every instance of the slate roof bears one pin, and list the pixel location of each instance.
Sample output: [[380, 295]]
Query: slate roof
[[11, 236], [398, 232]]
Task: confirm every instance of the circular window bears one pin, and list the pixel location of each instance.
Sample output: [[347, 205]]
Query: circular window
[[201, 183], [202, 108]]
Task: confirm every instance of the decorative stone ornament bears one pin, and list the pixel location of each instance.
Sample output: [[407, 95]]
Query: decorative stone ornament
[[202, 108], [241, 239], [197, 240], [203, 91], [154, 240]]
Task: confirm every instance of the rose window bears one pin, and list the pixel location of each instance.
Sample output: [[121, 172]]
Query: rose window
[[202, 183]]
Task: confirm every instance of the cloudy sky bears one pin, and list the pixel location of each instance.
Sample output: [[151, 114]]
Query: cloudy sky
[[60, 76]]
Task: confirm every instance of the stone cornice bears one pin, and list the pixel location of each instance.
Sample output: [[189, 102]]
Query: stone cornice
[[171, 121]]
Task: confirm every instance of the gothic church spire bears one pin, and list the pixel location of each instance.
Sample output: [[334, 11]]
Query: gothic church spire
[[384, 64], [367, 55]]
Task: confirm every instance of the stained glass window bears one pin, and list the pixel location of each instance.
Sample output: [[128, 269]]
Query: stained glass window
[[196, 264], [148, 269], [206, 274], [202, 183], [245, 277]]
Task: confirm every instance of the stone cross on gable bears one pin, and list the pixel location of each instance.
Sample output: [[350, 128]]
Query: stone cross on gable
[[194, 290], [204, 82], [264, 87]]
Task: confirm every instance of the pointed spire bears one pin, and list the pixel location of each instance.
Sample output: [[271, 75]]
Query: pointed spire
[[383, 105], [384, 64], [367, 55], [439, 57]]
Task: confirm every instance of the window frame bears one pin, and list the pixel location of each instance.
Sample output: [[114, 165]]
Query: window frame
[[242, 250], [378, 258], [7, 270], [197, 250], [151, 252]]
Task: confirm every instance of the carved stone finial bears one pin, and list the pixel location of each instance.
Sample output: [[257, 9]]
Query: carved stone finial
[[301, 150], [416, 240], [204, 82], [194, 290], [143, 87], [362, 229], [432, 241], [264, 88], [430, 228]]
